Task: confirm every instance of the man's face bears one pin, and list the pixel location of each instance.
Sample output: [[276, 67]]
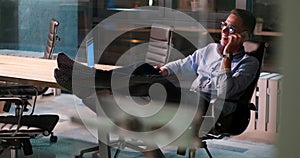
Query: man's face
[[232, 25]]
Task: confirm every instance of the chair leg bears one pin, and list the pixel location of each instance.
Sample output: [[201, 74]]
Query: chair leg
[[14, 152], [181, 151], [14, 146], [117, 153], [26, 146], [95, 155], [157, 153], [192, 153], [204, 145], [122, 144], [95, 148]]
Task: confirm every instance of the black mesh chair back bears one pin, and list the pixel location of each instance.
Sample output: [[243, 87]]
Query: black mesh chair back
[[52, 38], [241, 117]]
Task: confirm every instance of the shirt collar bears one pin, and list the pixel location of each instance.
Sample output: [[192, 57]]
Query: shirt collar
[[240, 54]]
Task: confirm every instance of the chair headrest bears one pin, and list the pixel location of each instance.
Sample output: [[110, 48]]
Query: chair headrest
[[253, 46], [160, 32]]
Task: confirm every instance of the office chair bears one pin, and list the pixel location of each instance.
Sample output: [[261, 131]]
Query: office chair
[[26, 92], [160, 44], [235, 123], [158, 52], [16, 130], [52, 39]]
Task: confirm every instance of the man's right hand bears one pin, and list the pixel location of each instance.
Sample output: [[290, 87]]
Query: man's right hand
[[235, 43], [163, 71]]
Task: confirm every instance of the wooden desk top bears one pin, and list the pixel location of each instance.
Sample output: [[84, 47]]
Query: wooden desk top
[[27, 70], [34, 71]]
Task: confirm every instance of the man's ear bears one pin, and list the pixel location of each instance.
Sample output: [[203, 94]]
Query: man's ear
[[246, 35]]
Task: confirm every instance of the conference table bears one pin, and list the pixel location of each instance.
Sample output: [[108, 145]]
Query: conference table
[[28, 70], [32, 70]]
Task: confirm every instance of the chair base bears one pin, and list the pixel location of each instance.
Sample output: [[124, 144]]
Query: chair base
[[21, 143], [192, 152], [157, 153], [88, 150], [15, 144]]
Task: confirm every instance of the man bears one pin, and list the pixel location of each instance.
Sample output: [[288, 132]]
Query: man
[[222, 69]]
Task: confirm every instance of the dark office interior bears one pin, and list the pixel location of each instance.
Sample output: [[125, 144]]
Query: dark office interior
[[24, 27]]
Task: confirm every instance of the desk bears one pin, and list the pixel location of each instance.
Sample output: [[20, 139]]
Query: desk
[[27, 70], [34, 71]]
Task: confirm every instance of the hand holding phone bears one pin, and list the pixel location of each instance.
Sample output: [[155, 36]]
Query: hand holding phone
[[235, 42]]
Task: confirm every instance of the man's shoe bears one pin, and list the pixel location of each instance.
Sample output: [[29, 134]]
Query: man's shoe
[[64, 80], [64, 62]]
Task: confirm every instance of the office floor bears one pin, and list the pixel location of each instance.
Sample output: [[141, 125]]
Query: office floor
[[74, 137]]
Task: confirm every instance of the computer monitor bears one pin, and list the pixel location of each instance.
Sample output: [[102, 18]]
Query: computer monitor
[[90, 52]]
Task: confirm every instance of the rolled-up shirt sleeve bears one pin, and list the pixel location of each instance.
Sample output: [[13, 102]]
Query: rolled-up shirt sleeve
[[232, 84], [188, 64]]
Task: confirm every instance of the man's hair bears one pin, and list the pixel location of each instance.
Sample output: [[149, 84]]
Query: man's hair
[[248, 19]]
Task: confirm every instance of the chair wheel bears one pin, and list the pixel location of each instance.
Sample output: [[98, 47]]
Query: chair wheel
[[53, 139]]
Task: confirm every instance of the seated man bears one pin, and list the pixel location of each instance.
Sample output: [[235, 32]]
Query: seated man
[[222, 69]]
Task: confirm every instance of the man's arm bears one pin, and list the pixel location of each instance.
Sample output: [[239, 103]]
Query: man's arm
[[232, 86]]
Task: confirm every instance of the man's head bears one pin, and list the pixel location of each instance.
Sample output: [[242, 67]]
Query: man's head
[[240, 22]]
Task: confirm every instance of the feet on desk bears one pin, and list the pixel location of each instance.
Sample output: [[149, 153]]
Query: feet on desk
[[64, 80], [69, 65], [70, 72], [77, 78], [82, 80], [64, 62]]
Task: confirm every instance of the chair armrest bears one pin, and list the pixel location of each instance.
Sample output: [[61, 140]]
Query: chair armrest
[[10, 91], [19, 112], [251, 106]]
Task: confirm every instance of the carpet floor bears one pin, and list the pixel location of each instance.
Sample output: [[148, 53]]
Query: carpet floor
[[74, 137]]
